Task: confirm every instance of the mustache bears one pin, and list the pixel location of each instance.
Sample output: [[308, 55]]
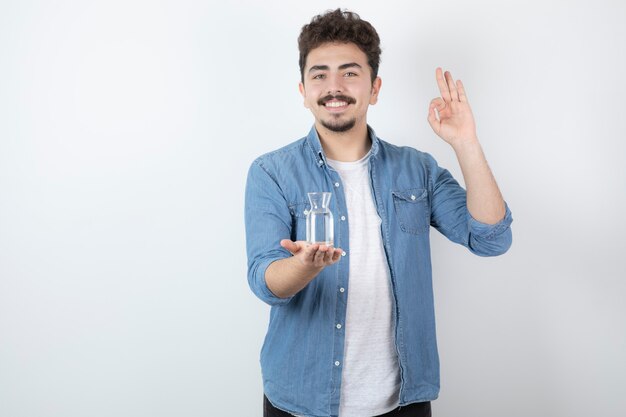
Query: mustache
[[341, 97]]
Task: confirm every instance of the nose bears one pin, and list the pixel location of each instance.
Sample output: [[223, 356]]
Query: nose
[[335, 84]]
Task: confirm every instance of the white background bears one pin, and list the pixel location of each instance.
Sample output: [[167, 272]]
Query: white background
[[126, 132]]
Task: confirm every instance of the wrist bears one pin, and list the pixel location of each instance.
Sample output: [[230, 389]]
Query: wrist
[[464, 145], [306, 271]]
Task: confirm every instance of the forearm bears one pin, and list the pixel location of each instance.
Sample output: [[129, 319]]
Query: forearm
[[288, 276], [484, 200]]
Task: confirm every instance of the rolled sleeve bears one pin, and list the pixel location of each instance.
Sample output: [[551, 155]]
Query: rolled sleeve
[[490, 239], [267, 221], [256, 279], [449, 214]]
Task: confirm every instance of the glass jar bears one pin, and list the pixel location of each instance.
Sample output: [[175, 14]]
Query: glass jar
[[319, 220]]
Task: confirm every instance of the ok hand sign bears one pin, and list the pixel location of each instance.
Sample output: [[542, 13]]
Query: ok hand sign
[[456, 121]]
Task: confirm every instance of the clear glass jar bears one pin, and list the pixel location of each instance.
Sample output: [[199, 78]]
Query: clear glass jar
[[319, 220]]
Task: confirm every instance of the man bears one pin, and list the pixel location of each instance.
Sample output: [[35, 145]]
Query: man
[[352, 328]]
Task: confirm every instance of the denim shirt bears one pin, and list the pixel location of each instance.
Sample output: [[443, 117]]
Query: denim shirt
[[302, 355]]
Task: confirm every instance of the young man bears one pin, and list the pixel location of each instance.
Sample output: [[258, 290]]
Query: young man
[[352, 327]]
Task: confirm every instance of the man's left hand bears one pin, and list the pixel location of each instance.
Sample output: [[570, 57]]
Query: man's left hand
[[456, 121]]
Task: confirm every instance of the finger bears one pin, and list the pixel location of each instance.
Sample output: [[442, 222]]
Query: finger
[[443, 86], [432, 118], [290, 246], [439, 103], [337, 254], [310, 252], [451, 86], [319, 256], [328, 256], [461, 90]]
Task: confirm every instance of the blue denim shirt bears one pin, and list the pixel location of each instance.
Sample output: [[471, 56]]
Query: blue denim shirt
[[302, 355]]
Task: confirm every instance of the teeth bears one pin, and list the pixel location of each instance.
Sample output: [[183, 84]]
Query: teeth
[[335, 104]]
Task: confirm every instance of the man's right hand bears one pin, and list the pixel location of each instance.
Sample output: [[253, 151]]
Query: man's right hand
[[312, 255], [288, 276]]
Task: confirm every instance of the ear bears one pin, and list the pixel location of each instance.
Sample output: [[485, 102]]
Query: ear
[[303, 93], [375, 90]]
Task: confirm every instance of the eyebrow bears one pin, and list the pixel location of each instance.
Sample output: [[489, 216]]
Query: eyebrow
[[341, 67]]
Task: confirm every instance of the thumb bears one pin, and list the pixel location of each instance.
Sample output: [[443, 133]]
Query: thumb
[[292, 247], [437, 103]]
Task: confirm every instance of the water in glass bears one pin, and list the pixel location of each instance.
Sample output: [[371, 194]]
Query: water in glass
[[319, 219]]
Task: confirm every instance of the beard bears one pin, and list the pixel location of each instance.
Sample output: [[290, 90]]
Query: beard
[[335, 124], [339, 126]]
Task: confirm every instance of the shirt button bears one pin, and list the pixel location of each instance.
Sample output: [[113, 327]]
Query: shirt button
[[336, 363], [338, 326], [342, 289], [343, 217], [337, 184], [343, 253], [412, 197]]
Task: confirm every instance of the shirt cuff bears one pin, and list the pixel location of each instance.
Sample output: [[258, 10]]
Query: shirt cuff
[[263, 290], [490, 231]]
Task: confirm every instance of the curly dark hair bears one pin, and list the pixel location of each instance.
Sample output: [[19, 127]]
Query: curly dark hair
[[340, 26]]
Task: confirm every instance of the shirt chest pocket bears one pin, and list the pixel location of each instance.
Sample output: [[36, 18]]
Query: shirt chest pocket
[[298, 220], [412, 210]]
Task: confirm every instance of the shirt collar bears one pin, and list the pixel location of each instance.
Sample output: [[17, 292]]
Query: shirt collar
[[313, 140]]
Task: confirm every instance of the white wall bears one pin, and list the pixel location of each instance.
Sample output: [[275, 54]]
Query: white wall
[[126, 130]]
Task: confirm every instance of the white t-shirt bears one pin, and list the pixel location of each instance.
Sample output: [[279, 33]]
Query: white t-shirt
[[370, 379]]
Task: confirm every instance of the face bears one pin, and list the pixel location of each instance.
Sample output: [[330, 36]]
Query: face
[[338, 86]]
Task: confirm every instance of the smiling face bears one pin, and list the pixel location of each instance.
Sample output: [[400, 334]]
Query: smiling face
[[338, 87]]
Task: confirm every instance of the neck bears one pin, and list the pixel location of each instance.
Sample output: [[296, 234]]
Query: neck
[[348, 146]]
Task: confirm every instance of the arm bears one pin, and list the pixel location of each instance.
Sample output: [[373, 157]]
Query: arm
[[479, 218], [484, 200], [451, 216], [288, 276], [273, 274], [457, 127]]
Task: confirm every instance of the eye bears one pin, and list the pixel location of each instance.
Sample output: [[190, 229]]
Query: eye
[[318, 76], [350, 74]]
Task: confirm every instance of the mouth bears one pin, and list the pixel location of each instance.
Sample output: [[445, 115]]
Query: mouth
[[337, 103]]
